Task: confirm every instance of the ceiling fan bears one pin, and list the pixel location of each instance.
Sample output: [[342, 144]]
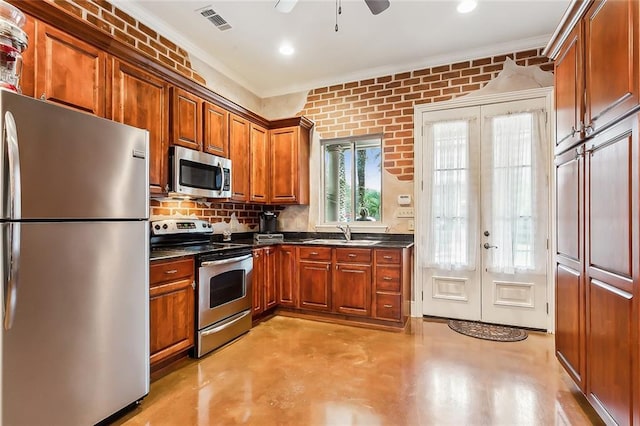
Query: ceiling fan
[[375, 6]]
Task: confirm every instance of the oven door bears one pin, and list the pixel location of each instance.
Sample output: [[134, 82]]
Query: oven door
[[224, 289]]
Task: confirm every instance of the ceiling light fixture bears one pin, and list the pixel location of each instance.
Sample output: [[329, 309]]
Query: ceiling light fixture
[[285, 6], [287, 49], [466, 6]]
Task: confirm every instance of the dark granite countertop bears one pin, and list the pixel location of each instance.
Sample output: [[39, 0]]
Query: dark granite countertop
[[391, 241]]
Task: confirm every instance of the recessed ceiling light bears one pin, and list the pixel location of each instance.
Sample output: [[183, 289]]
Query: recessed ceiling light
[[466, 6], [287, 49]]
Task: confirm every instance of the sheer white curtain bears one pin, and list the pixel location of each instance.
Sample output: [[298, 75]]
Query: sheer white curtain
[[513, 159], [450, 196]]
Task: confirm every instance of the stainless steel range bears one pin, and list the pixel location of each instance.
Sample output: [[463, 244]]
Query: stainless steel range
[[223, 277]]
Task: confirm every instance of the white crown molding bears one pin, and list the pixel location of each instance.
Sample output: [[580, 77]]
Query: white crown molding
[[429, 62], [170, 33]]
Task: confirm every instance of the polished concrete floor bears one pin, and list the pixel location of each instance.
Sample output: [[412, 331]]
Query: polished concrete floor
[[290, 371]]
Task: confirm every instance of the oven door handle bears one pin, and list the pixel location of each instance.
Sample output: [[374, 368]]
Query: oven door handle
[[226, 261], [228, 324]]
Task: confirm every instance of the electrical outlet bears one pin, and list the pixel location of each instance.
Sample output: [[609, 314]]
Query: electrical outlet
[[411, 225], [404, 212]]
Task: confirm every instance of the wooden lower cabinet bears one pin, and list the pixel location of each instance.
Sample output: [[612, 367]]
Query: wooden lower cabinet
[[352, 282], [171, 309], [287, 276], [315, 285], [265, 288], [597, 270], [355, 284]]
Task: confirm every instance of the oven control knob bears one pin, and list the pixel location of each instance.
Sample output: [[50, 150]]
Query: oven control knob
[[157, 227], [165, 226]]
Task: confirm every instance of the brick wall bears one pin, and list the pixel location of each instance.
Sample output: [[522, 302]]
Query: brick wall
[[247, 214], [108, 18], [385, 104]]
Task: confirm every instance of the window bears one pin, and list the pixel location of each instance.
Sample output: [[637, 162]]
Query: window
[[352, 179]]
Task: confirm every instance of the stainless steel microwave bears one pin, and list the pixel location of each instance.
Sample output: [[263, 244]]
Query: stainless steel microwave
[[198, 174]]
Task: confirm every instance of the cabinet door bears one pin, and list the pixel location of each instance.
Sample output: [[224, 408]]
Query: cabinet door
[[570, 287], [352, 289], [612, 271], [142, 100], [259, 155], [171, 308], [216, 130], [70, 72], [284, 177], [287, 276], [270, 284], [569, 91], [315, 285], [239, 155], [186, 119], [611, 60], [258, 281]]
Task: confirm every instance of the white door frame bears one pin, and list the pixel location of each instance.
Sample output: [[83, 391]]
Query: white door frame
[[468, 101]]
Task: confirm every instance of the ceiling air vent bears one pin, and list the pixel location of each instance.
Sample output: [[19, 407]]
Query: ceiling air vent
[[214, 18]]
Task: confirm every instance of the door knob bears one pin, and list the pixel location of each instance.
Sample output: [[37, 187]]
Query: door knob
[[489, 246], [486, 233]]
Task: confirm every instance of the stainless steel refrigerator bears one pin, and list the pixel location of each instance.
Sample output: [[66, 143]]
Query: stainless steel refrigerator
[[75, 259]]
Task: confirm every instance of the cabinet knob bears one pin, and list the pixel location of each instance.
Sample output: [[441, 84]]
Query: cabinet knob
[[387, 257], [313, 253], [352, 255], [387, 278], [43, 97], [386, 305], [172, 271]]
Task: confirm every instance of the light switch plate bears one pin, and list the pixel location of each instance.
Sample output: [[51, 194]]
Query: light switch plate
[[404, 212]]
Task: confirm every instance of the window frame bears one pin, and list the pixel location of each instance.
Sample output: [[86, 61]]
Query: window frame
[[353, 141]]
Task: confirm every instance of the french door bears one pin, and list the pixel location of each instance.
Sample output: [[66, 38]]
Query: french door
[[484, 215]]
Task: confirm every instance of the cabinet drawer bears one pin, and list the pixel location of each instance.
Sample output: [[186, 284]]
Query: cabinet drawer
[[171, 270], [388, 256], [315, 253], [353, 255], [388, 278], [388, 306]]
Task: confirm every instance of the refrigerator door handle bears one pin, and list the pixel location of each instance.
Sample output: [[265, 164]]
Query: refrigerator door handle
[[15, 181], [11, 293]]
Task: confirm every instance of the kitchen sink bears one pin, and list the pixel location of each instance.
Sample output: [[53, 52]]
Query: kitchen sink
[[343, 242]]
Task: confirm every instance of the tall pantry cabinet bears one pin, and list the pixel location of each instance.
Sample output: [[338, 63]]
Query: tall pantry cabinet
[[597, 160]]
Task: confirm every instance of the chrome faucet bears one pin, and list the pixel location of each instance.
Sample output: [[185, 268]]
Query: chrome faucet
[[346, 231]]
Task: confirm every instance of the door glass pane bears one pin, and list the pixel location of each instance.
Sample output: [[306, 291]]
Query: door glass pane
[[512, 192], [450, 190]]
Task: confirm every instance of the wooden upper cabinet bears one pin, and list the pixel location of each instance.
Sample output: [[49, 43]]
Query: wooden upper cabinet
[[569, 92], [259, 164], [186, 119], [69, 71], [289, 168], [611, 61], [239, 130], [216, 130], [142, 100]]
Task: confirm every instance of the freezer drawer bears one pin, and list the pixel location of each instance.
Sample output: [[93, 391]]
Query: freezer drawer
[[78, 349]]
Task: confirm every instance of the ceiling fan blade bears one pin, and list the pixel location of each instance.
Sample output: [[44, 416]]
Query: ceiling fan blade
[[285, 6], [377, 6]]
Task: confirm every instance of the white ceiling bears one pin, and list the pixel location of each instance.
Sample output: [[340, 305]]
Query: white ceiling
[[409, 35]]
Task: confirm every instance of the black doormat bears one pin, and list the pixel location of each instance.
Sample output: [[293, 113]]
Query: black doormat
[[479, 330]]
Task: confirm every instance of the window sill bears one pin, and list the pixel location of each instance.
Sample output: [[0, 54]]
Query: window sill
[[368, 228]]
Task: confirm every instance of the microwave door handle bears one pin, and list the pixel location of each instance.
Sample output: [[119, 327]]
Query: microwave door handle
[[222, 176]]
